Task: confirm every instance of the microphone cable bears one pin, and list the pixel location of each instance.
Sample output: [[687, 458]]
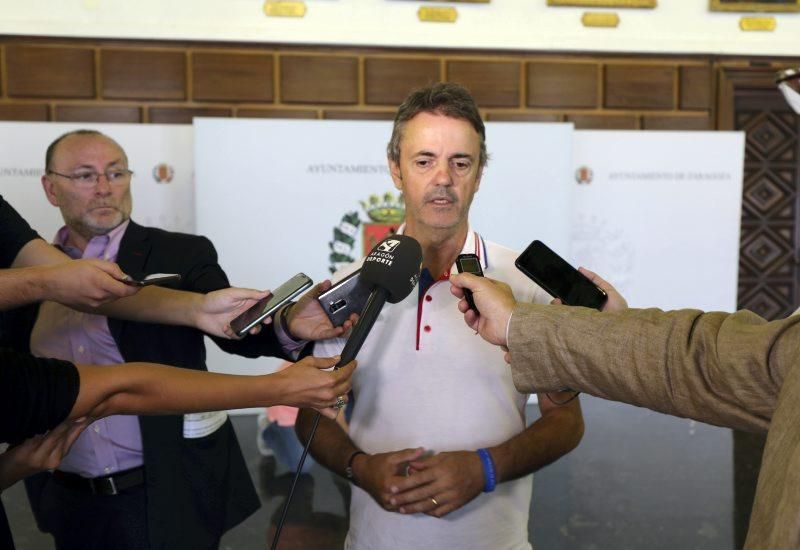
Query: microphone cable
[[296, 477]]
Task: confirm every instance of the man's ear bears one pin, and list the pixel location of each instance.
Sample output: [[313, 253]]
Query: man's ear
[[478, 179], [397, 176], [49, 190]]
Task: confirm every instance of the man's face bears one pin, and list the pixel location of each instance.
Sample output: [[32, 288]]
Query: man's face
[[438, 171], [93, 210]]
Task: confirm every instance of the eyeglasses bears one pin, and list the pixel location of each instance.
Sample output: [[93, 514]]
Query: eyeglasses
[[90, 178]]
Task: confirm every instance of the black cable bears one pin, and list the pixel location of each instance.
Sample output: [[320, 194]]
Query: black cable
[[279, 526]]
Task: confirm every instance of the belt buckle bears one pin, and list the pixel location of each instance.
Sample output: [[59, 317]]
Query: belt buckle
[[102, 483]]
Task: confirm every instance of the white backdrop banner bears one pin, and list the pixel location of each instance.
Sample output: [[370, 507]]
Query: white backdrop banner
[[658, 215], [159, 155], [281, 196]]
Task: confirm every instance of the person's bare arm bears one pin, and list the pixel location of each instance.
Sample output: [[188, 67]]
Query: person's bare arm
[[42, 272], [146, 388]]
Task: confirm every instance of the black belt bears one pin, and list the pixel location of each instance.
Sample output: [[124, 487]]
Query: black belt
[[105, 485]]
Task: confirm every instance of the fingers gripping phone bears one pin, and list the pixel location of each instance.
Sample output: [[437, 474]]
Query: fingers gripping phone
[[551, 272], [469, 263], [272, 303], [346, 297]]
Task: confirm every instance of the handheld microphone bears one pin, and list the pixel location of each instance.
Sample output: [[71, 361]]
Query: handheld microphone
[[392, 270]]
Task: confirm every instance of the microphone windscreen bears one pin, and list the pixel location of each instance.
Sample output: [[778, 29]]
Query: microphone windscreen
[[393, 265]]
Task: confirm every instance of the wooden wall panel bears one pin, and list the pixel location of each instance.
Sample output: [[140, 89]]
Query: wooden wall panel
[[696, 87], [604, 122], [37, 112], [319, 79], [492, 83], [97, 113], [387, 81], [276, 113], [555, 84], [676, 122], [232, 77], [639, 86], [154, 81], [521, 117], [357, 115], [45, 71], [143, 74], [184, 115]]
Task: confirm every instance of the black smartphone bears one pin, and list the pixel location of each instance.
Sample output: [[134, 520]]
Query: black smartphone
[[469, 263], [551, 272], [154, 279], [269, 305], [344, 298]]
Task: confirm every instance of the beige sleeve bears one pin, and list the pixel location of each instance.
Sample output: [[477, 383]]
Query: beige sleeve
[[719, 368]]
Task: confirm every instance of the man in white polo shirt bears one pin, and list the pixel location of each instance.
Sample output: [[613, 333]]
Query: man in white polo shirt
[[437, 447]]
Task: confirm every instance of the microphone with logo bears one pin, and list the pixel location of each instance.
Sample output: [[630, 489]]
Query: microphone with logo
[[391, 269]]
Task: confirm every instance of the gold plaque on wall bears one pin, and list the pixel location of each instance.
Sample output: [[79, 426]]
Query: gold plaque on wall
[[605, 3], [600, 19], [284, 9], [439, 14], [754, 5], [765, 24]]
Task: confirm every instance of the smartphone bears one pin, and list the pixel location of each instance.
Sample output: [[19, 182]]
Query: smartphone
[[154, 279], [551, 272], [344, 298], [269, 305], [469, 263]]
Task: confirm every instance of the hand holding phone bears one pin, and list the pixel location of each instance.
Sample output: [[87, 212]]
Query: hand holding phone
[[558, 278], [469, 263], [154, 279], [344, 298], [269, 305]]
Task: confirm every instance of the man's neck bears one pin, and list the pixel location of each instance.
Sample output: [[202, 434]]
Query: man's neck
[[440, 247]]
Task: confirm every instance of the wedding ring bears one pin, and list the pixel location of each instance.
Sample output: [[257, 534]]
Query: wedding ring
[[340, 402], [434, 501]]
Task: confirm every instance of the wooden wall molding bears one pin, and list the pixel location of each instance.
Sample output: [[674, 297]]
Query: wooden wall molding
[[99, 80]]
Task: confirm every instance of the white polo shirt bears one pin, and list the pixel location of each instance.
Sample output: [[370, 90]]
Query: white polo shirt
[[426, 380]]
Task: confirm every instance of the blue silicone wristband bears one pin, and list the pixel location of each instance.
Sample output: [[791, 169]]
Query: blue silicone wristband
[[489, 475]]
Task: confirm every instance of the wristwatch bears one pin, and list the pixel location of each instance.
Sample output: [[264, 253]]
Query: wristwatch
[[348, 471]]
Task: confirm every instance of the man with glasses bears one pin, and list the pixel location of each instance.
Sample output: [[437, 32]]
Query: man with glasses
[[137, 482], [734, 370]]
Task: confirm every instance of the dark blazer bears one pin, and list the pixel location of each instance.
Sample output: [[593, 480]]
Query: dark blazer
[[196, 488]]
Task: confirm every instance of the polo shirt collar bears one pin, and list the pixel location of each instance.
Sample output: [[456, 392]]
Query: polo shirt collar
[[474, 244]]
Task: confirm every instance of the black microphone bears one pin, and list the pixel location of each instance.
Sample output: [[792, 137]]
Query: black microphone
[[392, 270]]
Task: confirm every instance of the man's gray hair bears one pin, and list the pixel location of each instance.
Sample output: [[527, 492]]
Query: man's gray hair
[[444, 98]]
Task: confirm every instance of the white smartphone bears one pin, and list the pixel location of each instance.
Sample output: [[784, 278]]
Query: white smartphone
[[269, 305]]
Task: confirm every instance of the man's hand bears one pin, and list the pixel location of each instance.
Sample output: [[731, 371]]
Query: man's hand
[[493, 299], [615, 300], [41, 452], [381, 474], [84, 283], [306, 384], [217, 309], [306, 319], [439, 484]]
